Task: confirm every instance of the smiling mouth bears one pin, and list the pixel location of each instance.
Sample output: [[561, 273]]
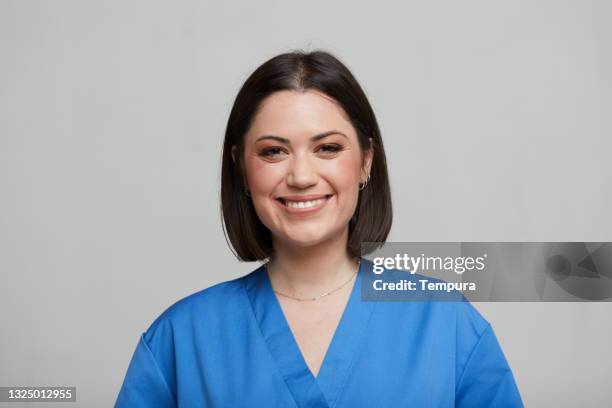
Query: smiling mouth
[[304, 203]]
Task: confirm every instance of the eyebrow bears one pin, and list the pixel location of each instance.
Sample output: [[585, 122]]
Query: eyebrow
[[312, 139]]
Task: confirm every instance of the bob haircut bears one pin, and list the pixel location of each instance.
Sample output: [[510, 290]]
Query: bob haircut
[[300, 71]]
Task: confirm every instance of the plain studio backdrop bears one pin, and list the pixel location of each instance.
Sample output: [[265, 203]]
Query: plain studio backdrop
[[496, 119]]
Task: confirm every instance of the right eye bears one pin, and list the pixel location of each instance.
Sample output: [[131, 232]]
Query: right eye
[[270, 152]]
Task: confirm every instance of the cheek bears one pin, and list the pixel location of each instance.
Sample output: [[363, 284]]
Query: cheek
[[263, 177], [344, 173]]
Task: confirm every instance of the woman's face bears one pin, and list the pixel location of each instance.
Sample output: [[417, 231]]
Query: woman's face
[[303, 167]]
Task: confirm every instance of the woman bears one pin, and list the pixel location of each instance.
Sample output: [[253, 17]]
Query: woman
[[304, 183]]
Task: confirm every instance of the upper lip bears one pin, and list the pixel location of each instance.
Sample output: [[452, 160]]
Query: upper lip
[[308, 197]]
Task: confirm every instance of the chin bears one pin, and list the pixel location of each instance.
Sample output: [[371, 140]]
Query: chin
[[306, 241], [308, 237]]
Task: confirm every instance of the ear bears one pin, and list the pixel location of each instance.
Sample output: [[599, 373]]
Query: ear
[[234, 151], [368, 158]]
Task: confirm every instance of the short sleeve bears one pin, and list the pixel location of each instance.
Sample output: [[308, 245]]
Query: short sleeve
[[146, 382], [486, 379]]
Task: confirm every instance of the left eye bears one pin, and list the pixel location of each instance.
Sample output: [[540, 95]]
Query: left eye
[[330, 148]]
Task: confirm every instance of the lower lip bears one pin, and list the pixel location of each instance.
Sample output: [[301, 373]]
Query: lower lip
[[304, 211]]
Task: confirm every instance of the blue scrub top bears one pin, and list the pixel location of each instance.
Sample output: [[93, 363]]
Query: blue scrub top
[[230, 346]]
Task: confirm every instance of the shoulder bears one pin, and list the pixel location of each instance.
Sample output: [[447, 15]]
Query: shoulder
[[220, 294], [200, 310], [179, 330]]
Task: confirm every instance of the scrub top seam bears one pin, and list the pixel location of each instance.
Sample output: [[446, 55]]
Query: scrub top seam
[[159, 371], [278, 371], [354, 359], [469, 359]]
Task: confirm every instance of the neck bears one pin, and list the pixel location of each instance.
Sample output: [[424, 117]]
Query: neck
[[309, 271]]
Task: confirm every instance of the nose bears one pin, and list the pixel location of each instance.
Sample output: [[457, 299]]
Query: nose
[[302, 172]]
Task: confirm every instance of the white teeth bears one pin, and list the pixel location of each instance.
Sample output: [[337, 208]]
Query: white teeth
[[303, 204]]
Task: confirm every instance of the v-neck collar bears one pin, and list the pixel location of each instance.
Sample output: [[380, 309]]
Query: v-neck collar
[[308, 391]]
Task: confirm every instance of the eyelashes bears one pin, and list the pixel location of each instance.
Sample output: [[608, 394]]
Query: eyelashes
[[328, 149], [270, 152], [331, 148]]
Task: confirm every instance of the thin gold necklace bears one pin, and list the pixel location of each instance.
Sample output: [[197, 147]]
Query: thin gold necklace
[[323, 294]]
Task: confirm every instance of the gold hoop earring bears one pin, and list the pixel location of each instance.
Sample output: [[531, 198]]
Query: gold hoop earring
[[362, 186]]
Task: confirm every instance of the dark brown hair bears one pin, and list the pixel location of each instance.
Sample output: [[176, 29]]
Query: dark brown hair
[[300, 71]]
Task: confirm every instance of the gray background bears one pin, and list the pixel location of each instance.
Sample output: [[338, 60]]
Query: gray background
[[495, 117]]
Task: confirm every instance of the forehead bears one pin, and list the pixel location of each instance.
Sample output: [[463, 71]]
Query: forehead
[[295, 114]]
